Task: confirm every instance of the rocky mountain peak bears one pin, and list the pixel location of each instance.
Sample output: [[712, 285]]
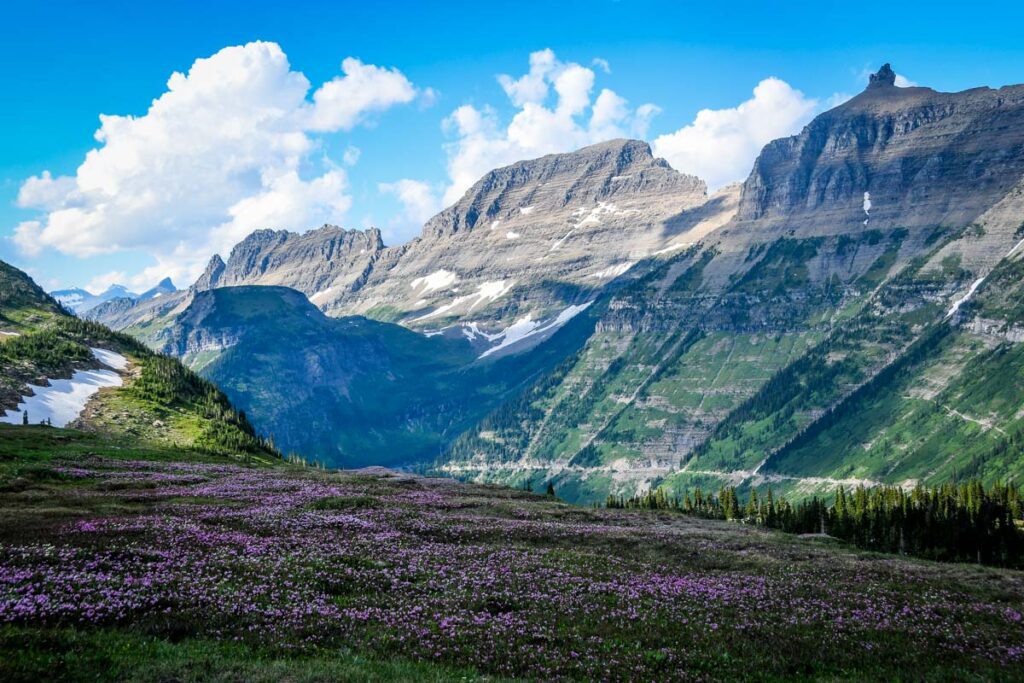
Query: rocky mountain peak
[[922, 158], [599, 172], [211, 276], [884, 78], [327, 258]]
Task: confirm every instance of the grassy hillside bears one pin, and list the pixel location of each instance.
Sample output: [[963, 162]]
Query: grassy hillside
[[161, 402], [149, 564]]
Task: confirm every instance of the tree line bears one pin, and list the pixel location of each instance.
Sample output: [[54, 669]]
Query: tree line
[[965, 522]]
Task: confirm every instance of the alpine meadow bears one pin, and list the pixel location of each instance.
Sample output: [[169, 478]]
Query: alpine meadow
[[610, 341]]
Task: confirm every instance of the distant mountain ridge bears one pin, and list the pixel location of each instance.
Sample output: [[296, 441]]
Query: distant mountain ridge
[[527, 245], [81, 301], [778, 332]]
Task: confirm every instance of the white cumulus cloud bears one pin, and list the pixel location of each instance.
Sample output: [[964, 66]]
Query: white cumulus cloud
[[342, 102], [419, 200], [556, 112], [226, 149], [720, 145]]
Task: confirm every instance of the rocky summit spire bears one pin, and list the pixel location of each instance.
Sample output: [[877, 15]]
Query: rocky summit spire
[[210, 276], [885, 78]]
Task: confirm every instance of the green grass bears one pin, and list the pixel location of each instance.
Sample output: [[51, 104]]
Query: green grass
[[328, 540], [70, 654], [924, 423]]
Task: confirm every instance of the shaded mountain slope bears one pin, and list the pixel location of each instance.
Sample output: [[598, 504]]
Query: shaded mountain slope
[[347, 391]]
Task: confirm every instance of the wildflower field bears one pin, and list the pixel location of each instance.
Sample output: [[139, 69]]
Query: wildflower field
[[120, 563]]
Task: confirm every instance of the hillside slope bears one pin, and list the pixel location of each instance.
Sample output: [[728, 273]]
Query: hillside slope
[[51, 360]]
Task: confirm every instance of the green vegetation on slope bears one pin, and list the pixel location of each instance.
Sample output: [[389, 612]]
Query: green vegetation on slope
[[160, 400], [349, 391], [952, 523]]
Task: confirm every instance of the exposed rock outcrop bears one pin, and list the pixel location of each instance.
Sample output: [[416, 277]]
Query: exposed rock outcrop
[[531, 238]]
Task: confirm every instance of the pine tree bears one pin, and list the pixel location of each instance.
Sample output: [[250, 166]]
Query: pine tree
[[551, 489]]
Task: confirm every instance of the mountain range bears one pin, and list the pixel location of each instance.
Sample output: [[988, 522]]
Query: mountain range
[[850, 313], [81, 301]]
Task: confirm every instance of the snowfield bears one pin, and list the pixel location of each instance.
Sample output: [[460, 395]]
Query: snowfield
[[436, 281], [612, 271], [527, 327], [321, 294], [486, 293], [63, 401], [111, 359]]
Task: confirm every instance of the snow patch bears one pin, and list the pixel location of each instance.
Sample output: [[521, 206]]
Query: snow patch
[[486, 293], [472, 331], [495, 224], [672, 247], [965, 298], [1016, 247], [489, 291], [436, 281], [510, 235], [527, 327], [111, 359], [558, 243], [612, 271], [867, 207], [321, 294], [977, 283], [63, 401], [526, 210]]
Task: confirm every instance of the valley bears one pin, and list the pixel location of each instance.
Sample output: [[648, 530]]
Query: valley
[[640, 332], [715, 376]]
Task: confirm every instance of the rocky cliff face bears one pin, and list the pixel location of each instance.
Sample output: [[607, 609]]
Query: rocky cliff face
[[528, 245], [855, 287], [324, 263], [531, 239], [906, 156]]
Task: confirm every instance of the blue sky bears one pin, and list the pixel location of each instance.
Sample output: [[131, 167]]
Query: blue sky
[[395, 160]]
